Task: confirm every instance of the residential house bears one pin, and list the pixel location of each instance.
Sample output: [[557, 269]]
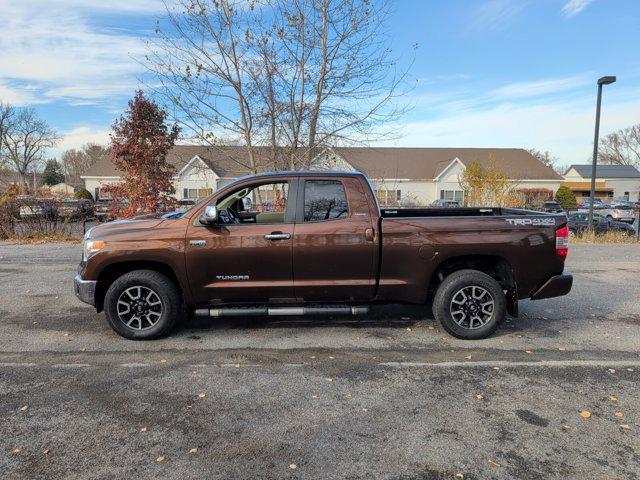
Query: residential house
[[415, 175], [612, 182]]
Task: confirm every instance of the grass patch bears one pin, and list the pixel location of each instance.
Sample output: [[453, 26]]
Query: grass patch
[[608, 237]]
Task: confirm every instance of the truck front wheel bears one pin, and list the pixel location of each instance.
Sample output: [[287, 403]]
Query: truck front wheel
[[469, 304], [142, 305]]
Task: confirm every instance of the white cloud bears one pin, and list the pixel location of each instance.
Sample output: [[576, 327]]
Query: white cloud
[[53, 47], [538, 88], [574, 7], [495, 14], [563, 128], [81, 135]]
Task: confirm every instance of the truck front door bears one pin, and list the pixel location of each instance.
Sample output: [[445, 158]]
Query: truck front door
[[247, 255], [333, 244]]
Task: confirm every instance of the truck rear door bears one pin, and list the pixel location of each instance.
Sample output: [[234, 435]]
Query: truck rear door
[[333, 242]]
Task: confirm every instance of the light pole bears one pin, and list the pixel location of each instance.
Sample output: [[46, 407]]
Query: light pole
[[601, 81]]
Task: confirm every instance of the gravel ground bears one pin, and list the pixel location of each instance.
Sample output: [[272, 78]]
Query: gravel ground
[[390, 395]]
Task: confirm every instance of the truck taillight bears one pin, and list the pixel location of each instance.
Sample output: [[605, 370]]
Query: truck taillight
[[562, 241]]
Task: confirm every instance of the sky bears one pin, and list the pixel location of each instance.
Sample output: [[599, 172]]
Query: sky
[[487, 73]]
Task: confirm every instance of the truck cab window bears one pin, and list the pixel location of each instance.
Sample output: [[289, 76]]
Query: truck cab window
[[324, 200], [265, 203]]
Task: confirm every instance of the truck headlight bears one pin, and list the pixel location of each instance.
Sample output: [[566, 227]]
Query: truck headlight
[[90, 247]]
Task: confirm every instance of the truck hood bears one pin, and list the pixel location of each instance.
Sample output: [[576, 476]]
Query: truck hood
[[144, 222]]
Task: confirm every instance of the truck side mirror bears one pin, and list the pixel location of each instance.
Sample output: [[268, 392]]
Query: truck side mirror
[[210, 215]]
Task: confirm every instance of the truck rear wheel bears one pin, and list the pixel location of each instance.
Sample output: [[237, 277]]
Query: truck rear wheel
[[469, 304], [143, 305]]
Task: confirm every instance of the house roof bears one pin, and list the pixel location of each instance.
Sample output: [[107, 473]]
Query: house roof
[[607, 171], [428, 163], [376, 162]]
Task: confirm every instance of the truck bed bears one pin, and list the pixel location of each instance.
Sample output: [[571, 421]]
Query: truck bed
[[455, 212]]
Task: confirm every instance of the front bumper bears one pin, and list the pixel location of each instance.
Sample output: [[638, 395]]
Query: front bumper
[[85, 290], [556, 286]]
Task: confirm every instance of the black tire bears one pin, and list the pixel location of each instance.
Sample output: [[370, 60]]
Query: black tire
[[480, 326], [167, 315]]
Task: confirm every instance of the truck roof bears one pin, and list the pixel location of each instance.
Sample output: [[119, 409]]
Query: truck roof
[[306, 173]]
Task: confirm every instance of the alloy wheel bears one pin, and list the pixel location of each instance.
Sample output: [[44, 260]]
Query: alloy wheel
[[472, 307], [139, 308]]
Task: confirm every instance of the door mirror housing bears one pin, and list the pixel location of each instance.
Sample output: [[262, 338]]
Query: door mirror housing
[[210, 215]]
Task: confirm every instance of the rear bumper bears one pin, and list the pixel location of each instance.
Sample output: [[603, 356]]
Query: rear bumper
[[556, 286], [85, 290]]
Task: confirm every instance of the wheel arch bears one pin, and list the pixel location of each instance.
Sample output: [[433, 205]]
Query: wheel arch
[[495, 266], [115, 270]]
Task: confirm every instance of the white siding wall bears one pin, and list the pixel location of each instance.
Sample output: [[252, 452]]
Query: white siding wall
[[91, 183], [195, 175]]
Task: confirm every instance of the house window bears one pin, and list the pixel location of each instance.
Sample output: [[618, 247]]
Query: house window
[[195, 193], [626, 196], [101, 194], [452, 195], [388, 198]]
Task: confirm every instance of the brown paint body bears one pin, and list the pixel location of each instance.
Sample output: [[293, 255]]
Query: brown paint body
[[367, 256]]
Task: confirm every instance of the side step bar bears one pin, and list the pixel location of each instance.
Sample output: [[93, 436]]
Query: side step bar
[[264, 311]]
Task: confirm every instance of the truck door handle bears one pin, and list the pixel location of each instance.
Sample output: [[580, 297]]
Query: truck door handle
[[277, 236]]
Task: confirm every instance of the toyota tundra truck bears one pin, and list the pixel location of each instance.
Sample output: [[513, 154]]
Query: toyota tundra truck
[[314, 243]]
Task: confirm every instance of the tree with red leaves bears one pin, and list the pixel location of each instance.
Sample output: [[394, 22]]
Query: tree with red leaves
[[139, 144]]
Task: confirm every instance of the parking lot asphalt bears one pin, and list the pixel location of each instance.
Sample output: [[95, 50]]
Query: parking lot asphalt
[[553, 394]]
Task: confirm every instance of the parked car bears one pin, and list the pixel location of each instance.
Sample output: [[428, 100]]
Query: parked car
[[75, 209], [444, 204], [473, 264], [617, 214], [622, 227], [578, 222], [596, 203], [552, 207], [36, 208]]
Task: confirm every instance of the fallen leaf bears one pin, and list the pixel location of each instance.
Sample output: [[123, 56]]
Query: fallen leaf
[[202, 395], [24, 408], [161, 458], [329, 379], [566, 427], [143, 429], [293, 466], [618, 413], [188, 407], [629, 369], [16, 451], [459, 475], [528, 351], [562, 349], [585, 414], [408, 329], [497, 369], [313, 357], [193, 450], [479, 397], [468, 357], [66, 334], [314, 396], [46, 451], [348, 395], [237, 365], [614, 399], [365, 409], [83, 349], [163, 360], [612, 370], [431, 327], [625, 426], [494, 464], [331, 357]]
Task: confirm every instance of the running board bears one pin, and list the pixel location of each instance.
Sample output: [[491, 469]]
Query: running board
[[264, 311]]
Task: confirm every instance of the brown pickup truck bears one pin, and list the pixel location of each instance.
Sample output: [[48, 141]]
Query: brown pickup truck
[[304, 243]]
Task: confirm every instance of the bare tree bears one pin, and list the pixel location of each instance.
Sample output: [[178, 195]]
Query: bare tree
[[294, 75], [27, 140], [76, 162], [621, 147], [7, 116]]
